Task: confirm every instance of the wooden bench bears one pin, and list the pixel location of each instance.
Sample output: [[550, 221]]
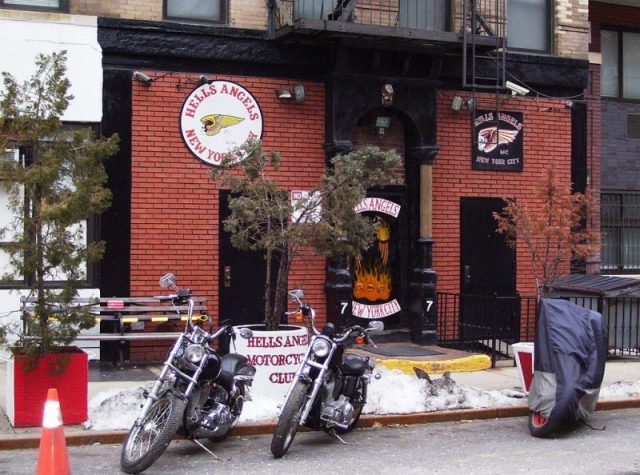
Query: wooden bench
[[143, 320]]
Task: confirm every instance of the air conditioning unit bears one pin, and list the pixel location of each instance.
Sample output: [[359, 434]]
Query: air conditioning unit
[[9, 155]]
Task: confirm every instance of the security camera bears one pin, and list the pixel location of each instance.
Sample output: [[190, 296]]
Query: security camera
[[143, 78], [516, 89]]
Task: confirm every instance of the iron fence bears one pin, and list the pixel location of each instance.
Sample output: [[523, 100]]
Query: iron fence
[[485, 323], [491, 324]]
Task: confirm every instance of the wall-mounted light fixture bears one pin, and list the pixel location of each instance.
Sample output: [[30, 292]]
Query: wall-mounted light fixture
[[297, 93], [458, 102], [387, 95], [143, 78], [203, 79], [382, 124]]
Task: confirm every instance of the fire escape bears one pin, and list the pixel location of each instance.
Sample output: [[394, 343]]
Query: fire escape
[[484, 49]]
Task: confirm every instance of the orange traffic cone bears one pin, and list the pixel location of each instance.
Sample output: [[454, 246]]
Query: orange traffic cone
[[53, 458]]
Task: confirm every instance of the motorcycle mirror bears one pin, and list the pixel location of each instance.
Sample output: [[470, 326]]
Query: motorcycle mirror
[[296, 295], [168, 280], [375, 326], [245, 333]]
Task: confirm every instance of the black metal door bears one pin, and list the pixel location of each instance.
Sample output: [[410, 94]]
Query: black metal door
[[489, 306], [242, 278]]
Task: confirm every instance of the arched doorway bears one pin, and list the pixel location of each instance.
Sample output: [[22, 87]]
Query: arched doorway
[[378, 274]]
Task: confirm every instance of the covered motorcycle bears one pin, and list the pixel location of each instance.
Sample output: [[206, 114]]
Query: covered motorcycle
[[570, 354]]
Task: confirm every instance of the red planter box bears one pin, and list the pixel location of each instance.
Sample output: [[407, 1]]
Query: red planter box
[[68, 372]]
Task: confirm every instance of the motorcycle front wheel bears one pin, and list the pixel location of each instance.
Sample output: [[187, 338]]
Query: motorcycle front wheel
[[289, 420], [149, 438]]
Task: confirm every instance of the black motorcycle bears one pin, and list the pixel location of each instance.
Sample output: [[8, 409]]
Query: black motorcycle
[[329, 389], [198, 393]]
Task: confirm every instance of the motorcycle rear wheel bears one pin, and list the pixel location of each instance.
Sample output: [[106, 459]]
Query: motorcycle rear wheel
[[289, 420], [147, 440], [539, 425]]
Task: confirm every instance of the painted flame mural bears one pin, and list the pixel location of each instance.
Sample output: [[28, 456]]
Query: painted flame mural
[[373, 269], [372, 275]]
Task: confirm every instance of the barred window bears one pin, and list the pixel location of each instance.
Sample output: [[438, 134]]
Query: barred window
[[620, 221]]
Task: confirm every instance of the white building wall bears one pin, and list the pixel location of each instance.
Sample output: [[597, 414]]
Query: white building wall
[[23, 35]]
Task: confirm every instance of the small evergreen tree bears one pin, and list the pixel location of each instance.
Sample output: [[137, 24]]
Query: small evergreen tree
[[553, 228], [60, 183], [262, 217]]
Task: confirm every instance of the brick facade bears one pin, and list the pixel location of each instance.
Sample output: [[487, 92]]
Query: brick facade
[[547, 142], [571, 28], [174, 202]]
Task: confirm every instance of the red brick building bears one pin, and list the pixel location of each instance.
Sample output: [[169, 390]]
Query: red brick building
[[167, 211]]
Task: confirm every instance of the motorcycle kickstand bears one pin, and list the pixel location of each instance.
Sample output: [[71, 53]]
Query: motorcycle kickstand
[[197, 442], [333, 433]]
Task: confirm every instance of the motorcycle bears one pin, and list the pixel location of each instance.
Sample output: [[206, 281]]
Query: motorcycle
[[329, 390], [198, 393]]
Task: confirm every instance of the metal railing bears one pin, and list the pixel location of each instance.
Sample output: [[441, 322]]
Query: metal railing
[[492, 324], [622, 316], [488, 324], [417, 14]]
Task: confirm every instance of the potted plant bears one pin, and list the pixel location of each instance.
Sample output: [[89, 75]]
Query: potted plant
[[263, 217], [53, 188], [553, 229]]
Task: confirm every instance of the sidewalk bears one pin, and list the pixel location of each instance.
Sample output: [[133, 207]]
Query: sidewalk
[[476, 373]]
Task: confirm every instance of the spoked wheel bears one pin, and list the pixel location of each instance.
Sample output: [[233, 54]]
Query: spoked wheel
[[357, 401], [289, 420], [539, 425], [148, 439]]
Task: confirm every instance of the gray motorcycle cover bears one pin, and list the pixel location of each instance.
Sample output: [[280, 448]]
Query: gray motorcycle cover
[[570, 354]]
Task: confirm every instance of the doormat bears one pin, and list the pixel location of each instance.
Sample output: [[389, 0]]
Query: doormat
[[403, 351]]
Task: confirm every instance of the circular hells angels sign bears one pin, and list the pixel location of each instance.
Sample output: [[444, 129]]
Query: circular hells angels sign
[[217, 117]]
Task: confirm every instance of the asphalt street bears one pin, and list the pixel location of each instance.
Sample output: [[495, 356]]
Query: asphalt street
[[467, 447]]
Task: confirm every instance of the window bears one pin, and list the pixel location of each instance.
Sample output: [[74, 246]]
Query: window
[[213, 11], [58, 5], [529, 25], [620, 220], [620, 71]]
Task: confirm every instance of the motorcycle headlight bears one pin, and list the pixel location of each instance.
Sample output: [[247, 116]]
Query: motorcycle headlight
[[320, 347], [194, 354]]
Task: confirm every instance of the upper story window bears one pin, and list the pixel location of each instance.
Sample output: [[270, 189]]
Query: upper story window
[[620, 71], [529, 26], [213, 11], [57, 5]]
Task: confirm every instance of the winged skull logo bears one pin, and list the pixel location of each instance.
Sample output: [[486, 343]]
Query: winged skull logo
[[214, 123], [491, 137]]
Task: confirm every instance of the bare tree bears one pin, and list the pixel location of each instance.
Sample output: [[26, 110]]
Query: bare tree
[[553, 225]]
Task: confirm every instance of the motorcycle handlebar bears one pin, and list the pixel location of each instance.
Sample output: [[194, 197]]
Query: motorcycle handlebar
[[219, 332], [348, 331]]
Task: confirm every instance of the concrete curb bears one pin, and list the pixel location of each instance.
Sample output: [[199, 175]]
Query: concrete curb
[[31, 441]]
